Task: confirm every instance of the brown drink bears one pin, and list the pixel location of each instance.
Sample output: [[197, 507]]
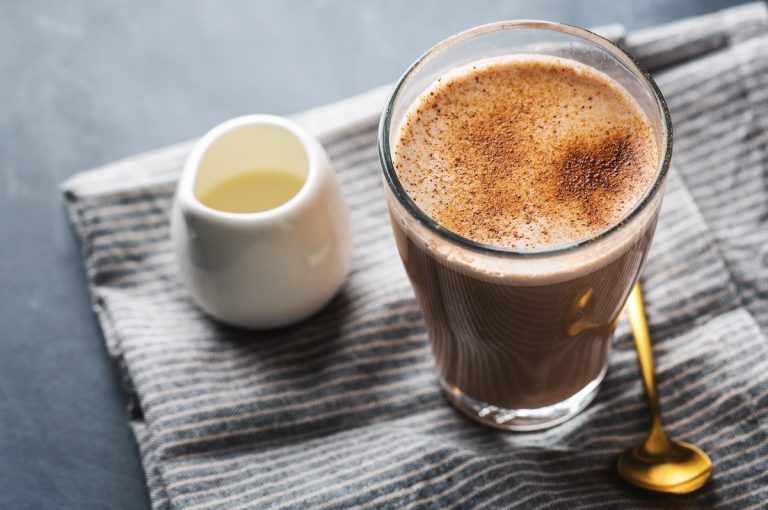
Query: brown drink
[[523, 166]]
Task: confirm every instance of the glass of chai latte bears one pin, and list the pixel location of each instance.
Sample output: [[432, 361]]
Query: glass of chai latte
[[525, 163]]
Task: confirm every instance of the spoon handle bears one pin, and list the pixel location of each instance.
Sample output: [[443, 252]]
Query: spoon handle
[[657, 440]]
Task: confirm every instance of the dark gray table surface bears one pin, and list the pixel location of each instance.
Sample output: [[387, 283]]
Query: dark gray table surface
[[84, 83]]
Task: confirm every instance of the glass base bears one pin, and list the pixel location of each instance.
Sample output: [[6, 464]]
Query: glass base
[[522, 420]]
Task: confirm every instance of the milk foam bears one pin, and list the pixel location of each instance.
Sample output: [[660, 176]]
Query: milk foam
[[525, 152]]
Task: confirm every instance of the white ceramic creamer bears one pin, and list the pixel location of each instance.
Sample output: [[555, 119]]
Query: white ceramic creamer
[[261, 269]]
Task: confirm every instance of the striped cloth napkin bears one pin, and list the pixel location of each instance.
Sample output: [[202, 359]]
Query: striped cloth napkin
[[343, 410]]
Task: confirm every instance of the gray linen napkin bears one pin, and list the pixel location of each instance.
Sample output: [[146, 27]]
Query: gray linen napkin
[[343, 409]]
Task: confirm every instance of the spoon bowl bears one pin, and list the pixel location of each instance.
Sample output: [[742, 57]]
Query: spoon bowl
[[681, 469]]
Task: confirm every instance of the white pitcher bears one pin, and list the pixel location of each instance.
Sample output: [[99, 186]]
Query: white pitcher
[[263, 269]]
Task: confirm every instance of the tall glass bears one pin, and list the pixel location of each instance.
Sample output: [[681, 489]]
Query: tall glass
[[521, 338]]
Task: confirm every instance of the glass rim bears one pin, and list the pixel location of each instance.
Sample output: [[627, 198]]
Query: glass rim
[[390, 175]]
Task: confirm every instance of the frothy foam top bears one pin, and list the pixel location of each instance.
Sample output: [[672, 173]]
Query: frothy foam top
[[525, 152]]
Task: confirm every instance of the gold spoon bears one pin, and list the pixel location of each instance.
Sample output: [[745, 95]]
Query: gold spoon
[[658, 464]]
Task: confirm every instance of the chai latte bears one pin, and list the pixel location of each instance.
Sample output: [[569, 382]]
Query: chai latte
[[527, 153]]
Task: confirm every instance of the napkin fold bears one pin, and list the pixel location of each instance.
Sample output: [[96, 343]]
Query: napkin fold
[[343, 410]]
